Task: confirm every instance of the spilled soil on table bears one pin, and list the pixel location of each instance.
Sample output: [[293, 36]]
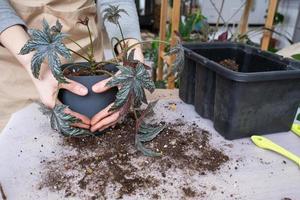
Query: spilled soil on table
[[111, 161]]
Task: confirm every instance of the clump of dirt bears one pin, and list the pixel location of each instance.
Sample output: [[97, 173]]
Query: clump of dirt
[[98, 163], [191, 151], [189, 192], [230, 64]]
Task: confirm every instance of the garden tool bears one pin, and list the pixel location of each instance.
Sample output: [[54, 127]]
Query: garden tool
[[265, 143], [296, 129]]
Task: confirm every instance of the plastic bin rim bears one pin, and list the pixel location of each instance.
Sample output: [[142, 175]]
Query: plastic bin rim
[[242, 76]]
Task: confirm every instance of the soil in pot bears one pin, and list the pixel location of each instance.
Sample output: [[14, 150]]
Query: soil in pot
[[92, 103], [82, 70], [230, 64], [111, 160]]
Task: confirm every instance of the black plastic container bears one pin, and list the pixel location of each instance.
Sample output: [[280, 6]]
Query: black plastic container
[[261, 98], [92, 103]]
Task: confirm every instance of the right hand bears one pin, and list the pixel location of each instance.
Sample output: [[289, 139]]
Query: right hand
[[104, 118], [14, 38], [47, 87]]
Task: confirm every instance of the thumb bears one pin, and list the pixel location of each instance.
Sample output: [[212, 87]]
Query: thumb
[[74, 87], [101, 86]]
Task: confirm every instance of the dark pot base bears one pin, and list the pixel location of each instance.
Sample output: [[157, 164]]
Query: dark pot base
[[92, 103]]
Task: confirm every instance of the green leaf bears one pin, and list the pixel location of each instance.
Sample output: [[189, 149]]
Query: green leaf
[[144, 78], [149, 132], [146, 132], [296, 56], [113, 14], [145, 151], [36, 62], [122, 97], [178, 51], [278, 18], [132, 82], [145, 113], [149, 108], [57, 28], [298, 117], [62, 122], [47, 43], [62, 50], [131, 55], [28, 47], [186, 27], [54, 64]]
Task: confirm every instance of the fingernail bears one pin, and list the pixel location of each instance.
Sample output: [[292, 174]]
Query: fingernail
[[94, 88], [82, 90]]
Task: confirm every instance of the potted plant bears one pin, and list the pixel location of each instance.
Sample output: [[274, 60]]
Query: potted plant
[[128, 85]]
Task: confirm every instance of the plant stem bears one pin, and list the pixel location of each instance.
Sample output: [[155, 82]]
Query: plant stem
[[107, 62], [257, 31], [112, 44], [135, 115], [91, 41], [95, 65], [80, 55], [144, 42], [78, 45], [122, 35], [104, 72]]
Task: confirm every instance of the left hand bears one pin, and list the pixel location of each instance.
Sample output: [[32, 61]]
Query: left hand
[[105, 118]]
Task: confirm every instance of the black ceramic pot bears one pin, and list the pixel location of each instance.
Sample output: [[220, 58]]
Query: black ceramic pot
[[92, 103]]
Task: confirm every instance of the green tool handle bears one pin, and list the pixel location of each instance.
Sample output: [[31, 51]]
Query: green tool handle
[[265, 143], [296, 129]]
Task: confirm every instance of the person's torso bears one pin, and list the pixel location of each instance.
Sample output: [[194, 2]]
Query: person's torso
[[67, 12], [16, 86]]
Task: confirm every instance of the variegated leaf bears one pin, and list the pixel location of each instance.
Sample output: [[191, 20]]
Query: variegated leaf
[[113, 14], [61, 122], [144, 77], [145, 113], [148, 132], [122, 97], [54, 64], [178, 52], [36, 61], [132, 81], [144, 150], [47, 43], [131, 55]]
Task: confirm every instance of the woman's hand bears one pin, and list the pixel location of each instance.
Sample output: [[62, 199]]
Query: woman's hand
[[47, 87], [14, 38], [105, 118]]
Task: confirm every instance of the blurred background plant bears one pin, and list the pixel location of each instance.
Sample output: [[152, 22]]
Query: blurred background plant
[[193, 27], [210, 21]]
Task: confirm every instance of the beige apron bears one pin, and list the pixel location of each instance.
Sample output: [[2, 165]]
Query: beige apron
[[16, 88]]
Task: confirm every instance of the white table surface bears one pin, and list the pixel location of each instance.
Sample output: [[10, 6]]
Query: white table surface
[[262, 175]]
